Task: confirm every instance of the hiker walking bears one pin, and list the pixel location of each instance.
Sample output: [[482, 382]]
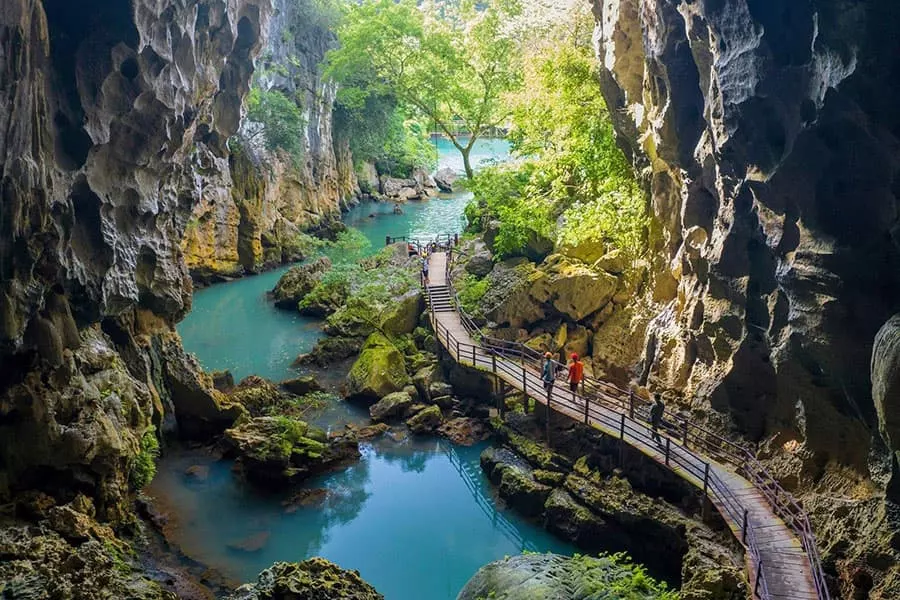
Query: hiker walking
[[548, 373], [576, 372], [425, 269], [656, 415]]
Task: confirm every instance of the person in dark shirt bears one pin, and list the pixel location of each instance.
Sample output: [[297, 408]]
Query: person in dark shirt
[[656, 415]]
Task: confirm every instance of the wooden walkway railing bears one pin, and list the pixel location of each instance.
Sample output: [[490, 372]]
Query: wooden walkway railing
[[783, 560]]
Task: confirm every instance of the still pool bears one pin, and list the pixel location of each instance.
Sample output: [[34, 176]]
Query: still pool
[[415, 518]]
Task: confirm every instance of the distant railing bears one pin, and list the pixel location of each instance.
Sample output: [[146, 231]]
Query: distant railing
[[597, 396]]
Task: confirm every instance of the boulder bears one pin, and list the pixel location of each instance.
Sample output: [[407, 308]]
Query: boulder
[[257, 395], [516, 481], [424, 181], [403, 316], [425, 421], [277, 451], [380, 370], [444, 179], [400, 189], [508, 300], [223, 380], [480, 264], [572, 288], [367, 176], [392, 405], [424, 378], [445, 402], [330, 350], [464, 431], [586, 251], [300, 386], [313, 579], [298, 281], [572, 521], [436, 389], [613, 262]]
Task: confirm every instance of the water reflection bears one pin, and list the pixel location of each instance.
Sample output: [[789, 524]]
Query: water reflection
[[416, 518]]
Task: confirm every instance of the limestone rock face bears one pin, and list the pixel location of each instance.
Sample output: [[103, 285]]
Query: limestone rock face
[[251, 218], [113, 124], [572, 288], [770, 158], [886, 380]]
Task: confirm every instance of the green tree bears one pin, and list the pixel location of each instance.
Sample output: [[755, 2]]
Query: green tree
[[448, 62], [279, 121]]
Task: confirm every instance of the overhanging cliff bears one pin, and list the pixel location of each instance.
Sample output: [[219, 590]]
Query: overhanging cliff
[[766, 136]]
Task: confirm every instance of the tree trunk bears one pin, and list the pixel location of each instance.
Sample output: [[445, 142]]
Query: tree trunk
[[466, 162]]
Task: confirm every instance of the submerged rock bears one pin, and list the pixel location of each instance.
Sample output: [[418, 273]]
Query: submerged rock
[[313, 579], [300, 386], [550, 576], [298, 282], [330, 350], [464, 431]]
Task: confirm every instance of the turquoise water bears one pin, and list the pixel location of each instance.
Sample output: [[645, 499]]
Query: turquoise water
[[485, 152], [234, 326], [415, 519]]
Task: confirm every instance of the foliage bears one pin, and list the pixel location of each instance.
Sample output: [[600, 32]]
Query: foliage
[[279, 121], [382, 132], [448, 62], [636, 584], [506, 193], [333, 287], [143, 465], [574, 172], [350, 245], [471, 291]]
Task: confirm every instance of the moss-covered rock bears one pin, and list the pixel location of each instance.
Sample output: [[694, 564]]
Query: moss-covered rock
[[403, 316], [300, 386], [380, 370], [464, 431], [330, 350], [299, 281], [313, 579], [257, 395], [391, 406], [277, 451], [544, 576], [426, 420], [534, 452]]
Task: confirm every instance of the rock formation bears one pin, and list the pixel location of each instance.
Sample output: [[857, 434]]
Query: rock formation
[[115, 117], [764, 133], [253, 215]]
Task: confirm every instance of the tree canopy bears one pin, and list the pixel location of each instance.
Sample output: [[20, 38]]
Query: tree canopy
[[447, 62]]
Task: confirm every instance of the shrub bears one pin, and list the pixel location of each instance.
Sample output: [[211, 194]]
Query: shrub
[[143, 465], [471, 290], [279, 121]]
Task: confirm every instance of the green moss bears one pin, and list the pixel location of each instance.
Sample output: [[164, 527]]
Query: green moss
[[143, 465], [538, 455]]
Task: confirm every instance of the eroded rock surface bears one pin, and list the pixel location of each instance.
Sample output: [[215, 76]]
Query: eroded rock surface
[[769, 153], [313, 579]]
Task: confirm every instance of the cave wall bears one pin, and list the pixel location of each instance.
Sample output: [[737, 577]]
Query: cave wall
[[767, 136], [114, 114], [250, 221]]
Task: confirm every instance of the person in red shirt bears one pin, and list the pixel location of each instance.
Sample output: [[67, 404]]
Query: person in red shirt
[[576, 372]]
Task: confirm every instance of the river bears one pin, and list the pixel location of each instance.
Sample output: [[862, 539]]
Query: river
[[416, 518]]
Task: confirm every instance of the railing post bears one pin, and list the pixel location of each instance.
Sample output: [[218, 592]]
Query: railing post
[[524, 382], [685, 435], [631, 405], [457, 351], [706, 479], [493, 363], [622, 429], [474, 364], [668, 443], [758, 575], [586, 410], [744, 528]]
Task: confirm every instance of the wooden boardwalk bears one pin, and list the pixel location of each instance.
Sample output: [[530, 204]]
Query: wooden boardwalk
[[787, 572]]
